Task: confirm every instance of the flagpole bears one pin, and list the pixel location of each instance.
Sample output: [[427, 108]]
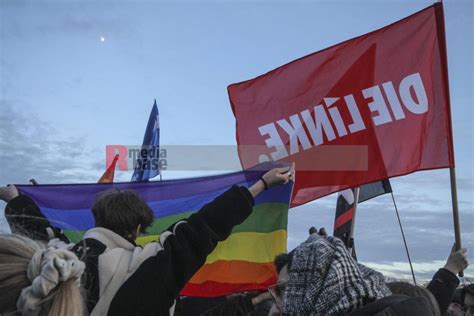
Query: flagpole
[[351, 232], [454, 199], [403, 236], [452, 172]]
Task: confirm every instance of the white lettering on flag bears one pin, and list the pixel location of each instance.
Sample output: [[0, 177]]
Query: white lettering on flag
[[411, 92], [414, 81], [296, 133]]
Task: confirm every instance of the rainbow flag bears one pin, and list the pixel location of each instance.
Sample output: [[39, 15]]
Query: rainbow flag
[[243, 262]]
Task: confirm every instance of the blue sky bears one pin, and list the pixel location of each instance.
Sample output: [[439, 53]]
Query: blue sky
[[65, 94]]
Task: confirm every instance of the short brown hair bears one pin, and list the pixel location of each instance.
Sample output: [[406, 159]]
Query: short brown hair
[[411, 290], [122, 212]]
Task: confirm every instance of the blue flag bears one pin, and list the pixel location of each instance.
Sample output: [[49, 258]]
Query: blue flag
[[145, 168]]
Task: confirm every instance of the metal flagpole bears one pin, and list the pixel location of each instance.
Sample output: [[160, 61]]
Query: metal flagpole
[[403, 236], [351, 232], [454, 198]]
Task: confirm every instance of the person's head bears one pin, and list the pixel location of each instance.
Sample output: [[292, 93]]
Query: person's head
[[411, 290], [320, 267], [282, 263], [123, 212], [455, 309], [283, 259], [36, 280], [467, 297]]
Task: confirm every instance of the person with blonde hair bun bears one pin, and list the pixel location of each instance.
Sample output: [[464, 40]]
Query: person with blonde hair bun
[[39, 279]]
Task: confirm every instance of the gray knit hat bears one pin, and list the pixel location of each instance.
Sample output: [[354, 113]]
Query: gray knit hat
[[325, 280]]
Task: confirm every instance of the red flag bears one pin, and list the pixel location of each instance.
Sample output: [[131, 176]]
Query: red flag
[[108, 176], [370, 108]]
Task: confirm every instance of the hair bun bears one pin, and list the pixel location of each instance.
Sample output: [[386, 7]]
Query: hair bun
[[47, 268]]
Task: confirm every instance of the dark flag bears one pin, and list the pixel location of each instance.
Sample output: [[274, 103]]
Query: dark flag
[[344, 214], [345, 206], [144, 169], [374, 189]]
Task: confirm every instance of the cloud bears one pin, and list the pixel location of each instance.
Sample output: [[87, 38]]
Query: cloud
[[22, 18], [33, 149], [424, 270], [464, 183], [427, 224]]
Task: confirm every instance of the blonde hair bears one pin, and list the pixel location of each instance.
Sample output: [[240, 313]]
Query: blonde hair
[[16, 253]]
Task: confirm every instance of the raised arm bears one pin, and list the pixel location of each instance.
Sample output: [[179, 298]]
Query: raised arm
[[186, 245], [271, 178], [444, 282], [25, 218]]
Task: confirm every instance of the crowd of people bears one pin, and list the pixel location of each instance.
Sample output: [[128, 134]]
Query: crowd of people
[[106, 273]]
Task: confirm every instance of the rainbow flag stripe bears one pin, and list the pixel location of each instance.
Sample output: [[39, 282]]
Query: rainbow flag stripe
[[243, 262]]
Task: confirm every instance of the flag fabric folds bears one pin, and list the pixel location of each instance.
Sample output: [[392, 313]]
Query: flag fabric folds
[[381, 99], [345, 206], [243, 262], [374, 189], [144, 169], [344, 215], [108, 176]]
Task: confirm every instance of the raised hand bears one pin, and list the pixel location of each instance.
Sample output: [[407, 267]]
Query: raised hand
[[279, 175], [457, 260], [8, 193], [273, 177]]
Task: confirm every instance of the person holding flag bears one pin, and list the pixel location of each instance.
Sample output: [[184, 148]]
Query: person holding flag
[[122, 278]]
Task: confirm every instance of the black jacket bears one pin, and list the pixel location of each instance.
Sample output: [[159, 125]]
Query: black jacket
[[128, 280], [25, 218], [395, 305], [124, 279], [443, 286]]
